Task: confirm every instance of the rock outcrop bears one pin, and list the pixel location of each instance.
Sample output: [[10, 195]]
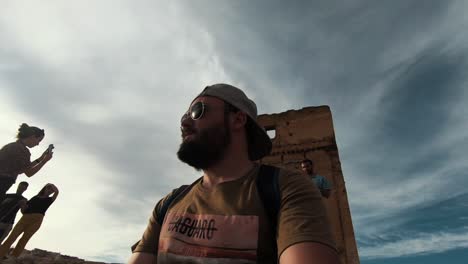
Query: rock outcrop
[[39, 256]]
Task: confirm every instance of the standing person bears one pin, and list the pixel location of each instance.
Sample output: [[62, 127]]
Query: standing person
[[221, 219], [321, 182], [31, 220], [15, 157], [12, 203]]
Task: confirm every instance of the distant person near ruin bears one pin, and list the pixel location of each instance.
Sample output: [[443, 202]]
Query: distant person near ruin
[[321, 182], [9, 207], [15, 157], [238, 211], [31, 221]]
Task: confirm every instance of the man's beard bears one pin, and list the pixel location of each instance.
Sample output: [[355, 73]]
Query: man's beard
[[207, 147]]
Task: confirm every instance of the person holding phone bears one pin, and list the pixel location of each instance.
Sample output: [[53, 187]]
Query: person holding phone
[[15, 157], [31, 221]]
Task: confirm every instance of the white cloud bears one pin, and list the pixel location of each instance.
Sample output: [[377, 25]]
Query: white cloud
[[75, 222], [107, 63], [119, 74], [416, 245], [11, 120]]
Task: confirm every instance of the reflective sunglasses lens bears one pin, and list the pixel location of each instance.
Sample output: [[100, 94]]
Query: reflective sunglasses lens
[[196, 111]]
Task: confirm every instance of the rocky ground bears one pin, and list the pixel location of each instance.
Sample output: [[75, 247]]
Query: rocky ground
[[39, 256]]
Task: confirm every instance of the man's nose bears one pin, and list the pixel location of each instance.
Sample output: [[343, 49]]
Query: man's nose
[[186, 121]]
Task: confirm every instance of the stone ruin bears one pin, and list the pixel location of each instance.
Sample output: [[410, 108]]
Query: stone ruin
[[39, 256], [308, 133]]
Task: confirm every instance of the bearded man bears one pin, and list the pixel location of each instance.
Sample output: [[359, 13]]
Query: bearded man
[[220, 218]]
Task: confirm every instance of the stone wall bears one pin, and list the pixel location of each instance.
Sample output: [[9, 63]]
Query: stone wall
[[309, 133]]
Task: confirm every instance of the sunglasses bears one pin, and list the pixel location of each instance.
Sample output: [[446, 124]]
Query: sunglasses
[[195, 112], [198, 110]]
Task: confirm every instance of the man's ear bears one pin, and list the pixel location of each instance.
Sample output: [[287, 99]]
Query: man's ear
[[239, 120]]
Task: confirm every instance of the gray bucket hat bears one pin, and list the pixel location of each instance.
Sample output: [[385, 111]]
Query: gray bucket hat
[[259, 142]]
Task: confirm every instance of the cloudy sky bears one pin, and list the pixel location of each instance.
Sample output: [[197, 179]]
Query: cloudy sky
[[109, 80]]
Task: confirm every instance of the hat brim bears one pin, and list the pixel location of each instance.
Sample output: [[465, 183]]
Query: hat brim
[[260, 144]]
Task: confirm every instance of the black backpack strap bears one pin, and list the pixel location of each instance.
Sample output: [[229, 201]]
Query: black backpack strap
[[269, 192], [179, 192], [176, 195], [161, 213]]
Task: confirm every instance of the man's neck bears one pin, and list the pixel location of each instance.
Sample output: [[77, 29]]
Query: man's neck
[[232, 167]]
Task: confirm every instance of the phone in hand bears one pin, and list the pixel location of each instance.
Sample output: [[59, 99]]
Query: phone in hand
[[50, 148]]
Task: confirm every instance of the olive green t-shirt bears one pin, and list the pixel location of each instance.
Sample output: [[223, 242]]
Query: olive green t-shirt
[[228, 224]]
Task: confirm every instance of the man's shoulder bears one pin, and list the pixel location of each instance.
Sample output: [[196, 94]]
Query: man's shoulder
[[286, 174], [169, 197], [283, 172], [289, 178]]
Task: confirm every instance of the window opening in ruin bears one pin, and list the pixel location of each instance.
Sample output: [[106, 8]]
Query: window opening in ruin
[[271, 131]]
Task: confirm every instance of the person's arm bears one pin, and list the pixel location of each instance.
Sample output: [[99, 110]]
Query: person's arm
[[142, 258], [304, 233], [38, 164], [23, 204], [309, 252], [150, 237], [146, 250]]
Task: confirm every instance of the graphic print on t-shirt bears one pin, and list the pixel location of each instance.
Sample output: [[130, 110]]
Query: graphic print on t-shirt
[[208, 239]]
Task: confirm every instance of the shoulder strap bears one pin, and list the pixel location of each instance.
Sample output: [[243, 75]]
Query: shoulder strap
[[176, 194], [161, 213], [270, 195]]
